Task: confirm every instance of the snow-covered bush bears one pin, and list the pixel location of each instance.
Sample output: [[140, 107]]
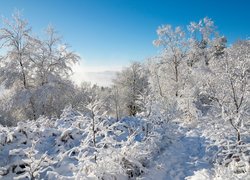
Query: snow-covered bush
[[64, 148]]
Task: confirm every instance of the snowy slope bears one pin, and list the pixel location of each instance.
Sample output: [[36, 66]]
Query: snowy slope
[[185, 155], [131, 148]]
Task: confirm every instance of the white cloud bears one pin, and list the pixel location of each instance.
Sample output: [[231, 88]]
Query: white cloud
[[100, 75]]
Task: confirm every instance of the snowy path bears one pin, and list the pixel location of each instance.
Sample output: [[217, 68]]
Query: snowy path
[[181, 159]]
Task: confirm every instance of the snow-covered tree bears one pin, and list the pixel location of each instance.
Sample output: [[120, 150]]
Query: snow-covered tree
[[205, 42], [15, 69], [229, 85], [174, 44], [132, 85], [51, 63], [35, 71]]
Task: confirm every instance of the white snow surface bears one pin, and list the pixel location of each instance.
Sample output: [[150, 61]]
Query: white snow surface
[[182, 158], [131, 148]]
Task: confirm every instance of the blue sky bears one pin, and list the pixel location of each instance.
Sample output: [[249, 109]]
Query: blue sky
[[115, 32]]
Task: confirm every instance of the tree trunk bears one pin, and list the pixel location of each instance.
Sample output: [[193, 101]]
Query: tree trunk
[[159, 86], [93, 128], [25, 84], [176, 74], [237, 131]]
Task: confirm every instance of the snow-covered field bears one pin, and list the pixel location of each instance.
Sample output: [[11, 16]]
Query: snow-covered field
[[131, 148]]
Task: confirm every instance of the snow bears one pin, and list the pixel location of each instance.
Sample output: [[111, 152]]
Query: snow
[[184, 114], [182, 157], [63, 149]]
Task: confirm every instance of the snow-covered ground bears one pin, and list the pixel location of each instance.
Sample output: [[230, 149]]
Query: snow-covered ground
[[192, 155], [64, 149], [131, 148], [185, 155]]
